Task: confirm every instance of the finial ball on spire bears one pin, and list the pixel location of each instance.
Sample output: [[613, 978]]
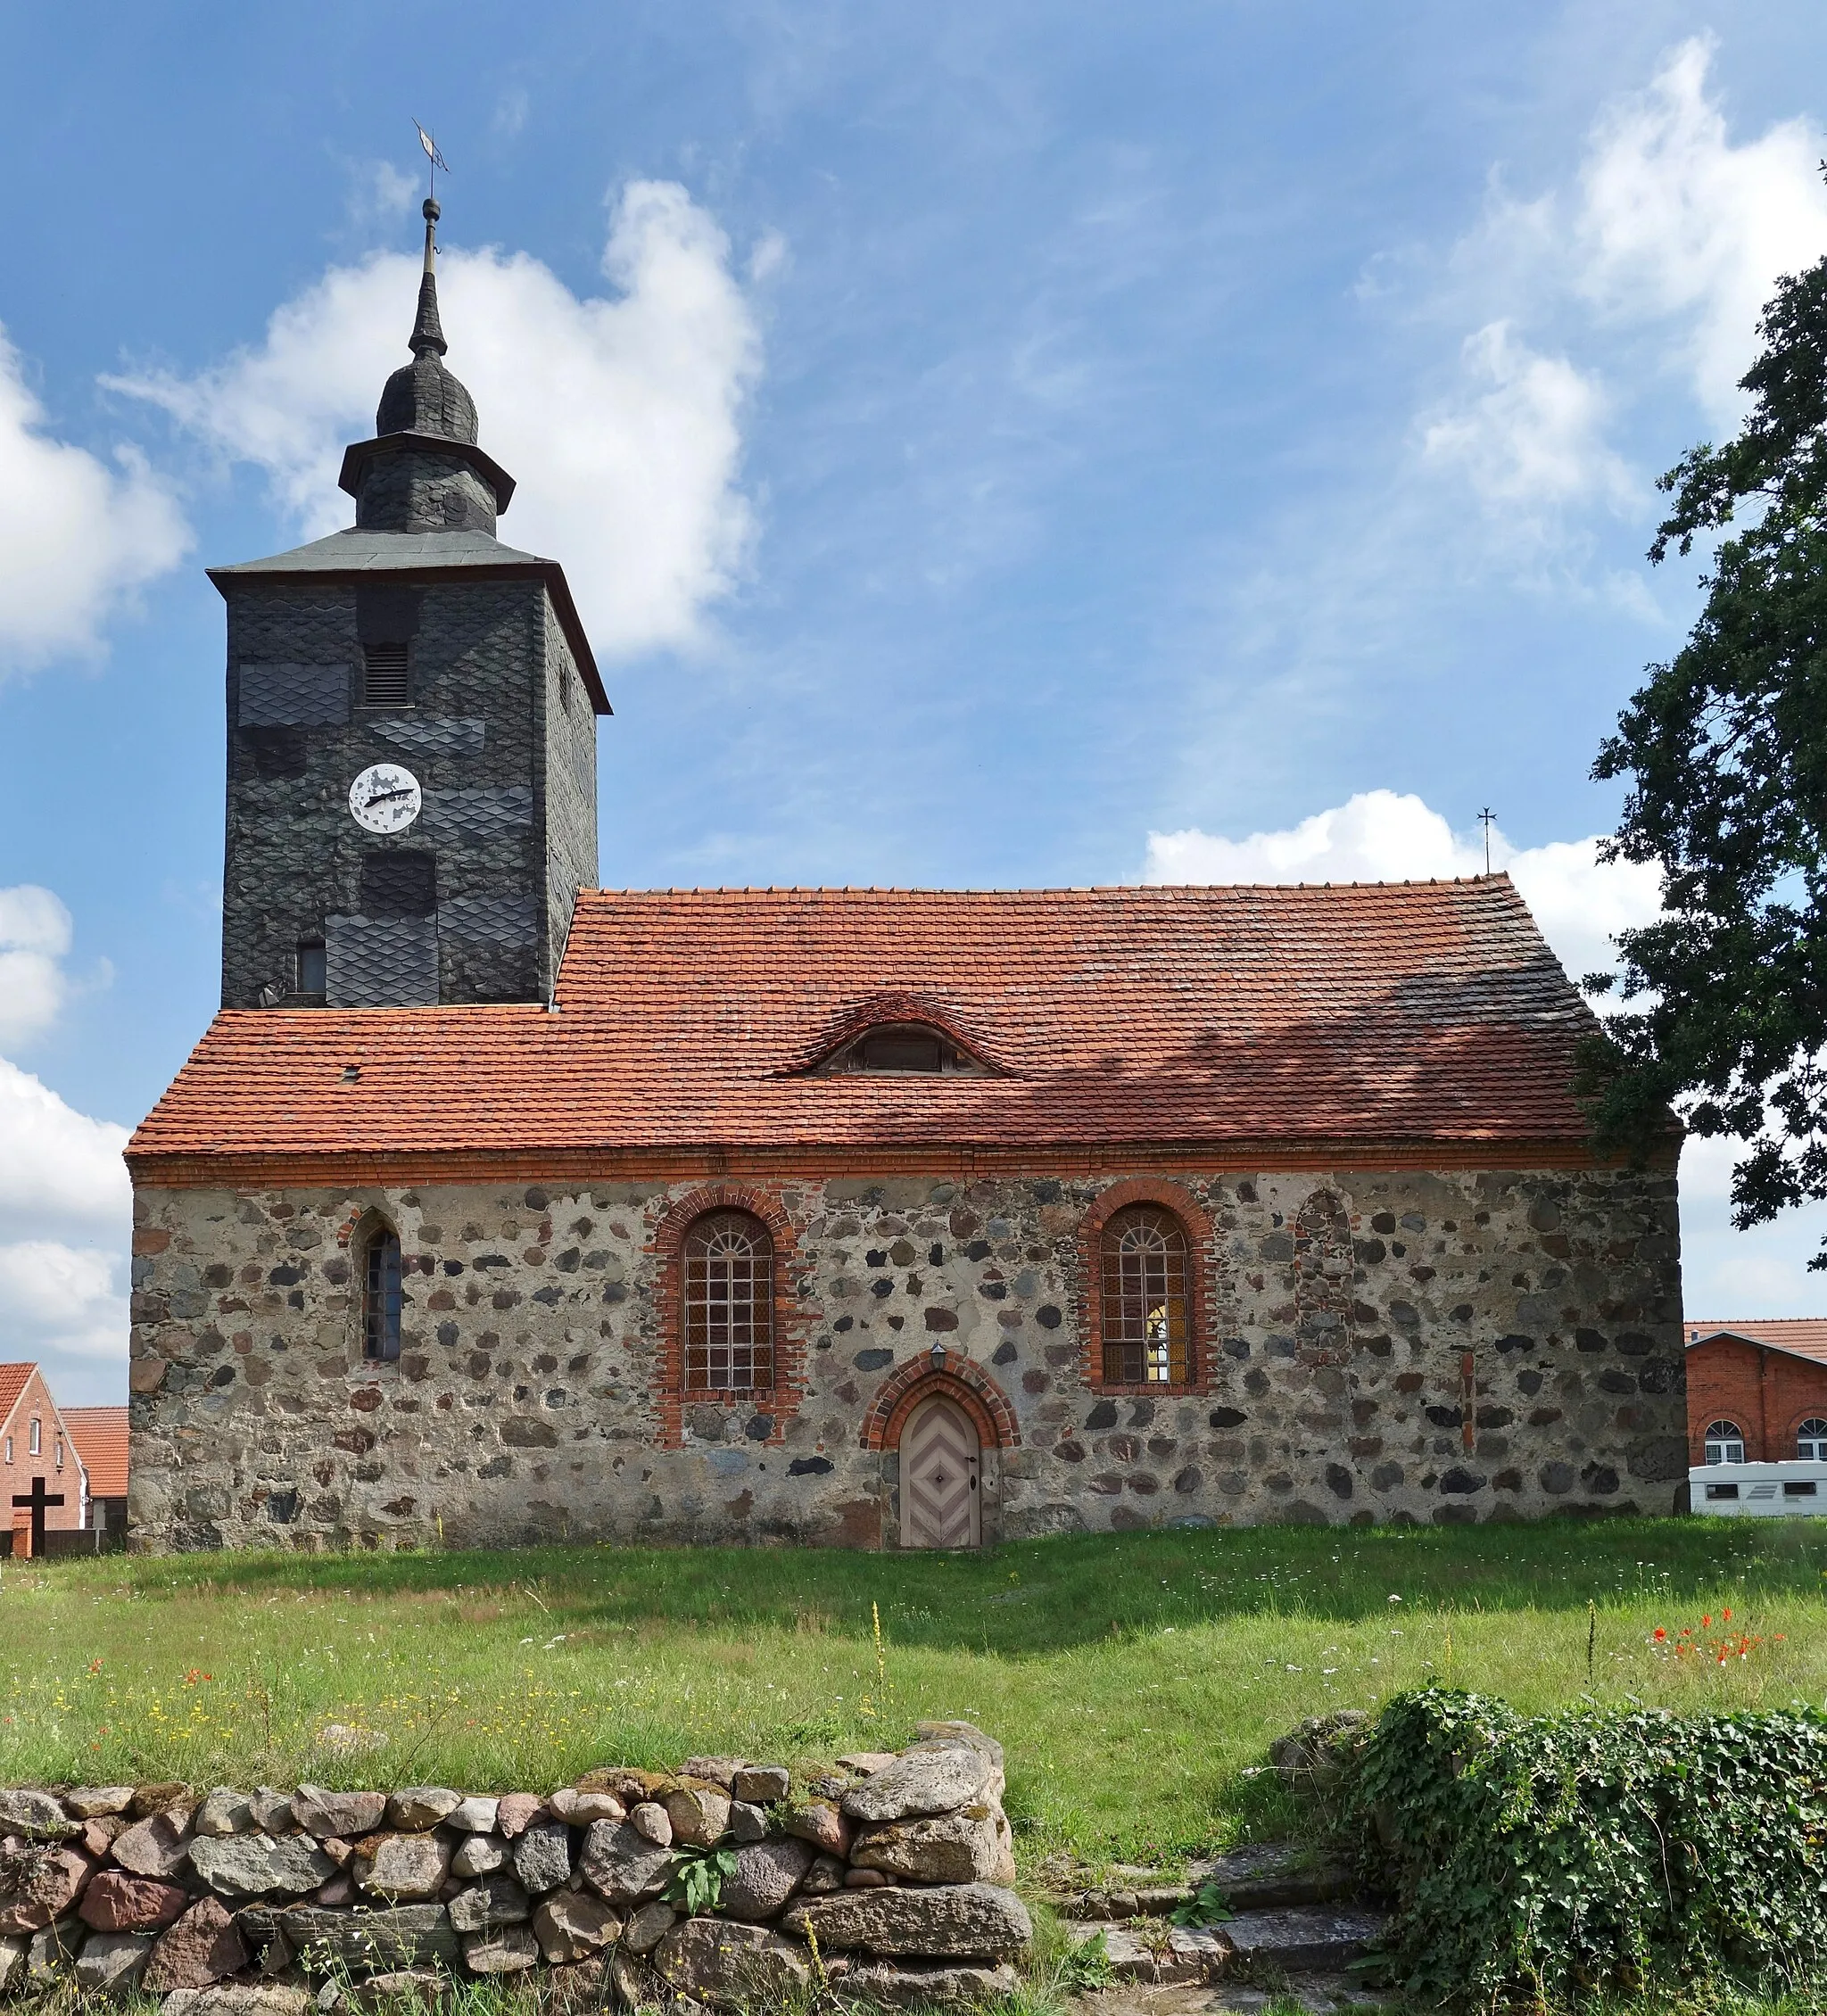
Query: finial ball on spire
[[430, 210]]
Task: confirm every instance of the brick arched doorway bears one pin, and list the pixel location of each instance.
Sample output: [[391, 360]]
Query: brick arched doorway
[[942, 1500], [941, 1423]]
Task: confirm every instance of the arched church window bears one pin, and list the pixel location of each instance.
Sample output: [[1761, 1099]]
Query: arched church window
[[1144, 1300], [1811, 1439], [381, 1294], [1725, 1443], [729, 1304]]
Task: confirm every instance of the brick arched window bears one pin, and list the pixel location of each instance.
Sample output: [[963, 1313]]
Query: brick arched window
[[380, 1294], [729, 1304], [1811, 1439], [1144, 1301], [1725, 1443]]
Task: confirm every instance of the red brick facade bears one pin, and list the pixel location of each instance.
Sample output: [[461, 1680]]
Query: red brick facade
[[1768, 1392]]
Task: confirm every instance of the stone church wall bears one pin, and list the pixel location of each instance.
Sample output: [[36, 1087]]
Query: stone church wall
[[1402, 1345]]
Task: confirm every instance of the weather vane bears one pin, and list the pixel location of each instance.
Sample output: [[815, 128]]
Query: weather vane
[[432, 155], [1485, 820]]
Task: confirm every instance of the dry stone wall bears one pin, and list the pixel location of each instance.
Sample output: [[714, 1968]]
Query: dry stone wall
[[889, 1875], [1406, 1345]]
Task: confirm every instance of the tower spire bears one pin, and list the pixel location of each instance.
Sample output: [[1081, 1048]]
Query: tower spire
[[427, 330]]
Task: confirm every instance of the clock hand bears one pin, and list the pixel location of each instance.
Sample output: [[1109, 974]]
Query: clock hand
[[375, 797]]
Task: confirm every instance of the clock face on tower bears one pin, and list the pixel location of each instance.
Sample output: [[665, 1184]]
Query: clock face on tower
[[385, 799]]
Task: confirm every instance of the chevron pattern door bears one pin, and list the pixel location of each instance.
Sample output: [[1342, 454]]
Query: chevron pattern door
[[941, 1505]]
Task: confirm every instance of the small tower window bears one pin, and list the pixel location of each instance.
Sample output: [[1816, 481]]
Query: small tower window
[[313, 967], [384, 680], [381, 1297]]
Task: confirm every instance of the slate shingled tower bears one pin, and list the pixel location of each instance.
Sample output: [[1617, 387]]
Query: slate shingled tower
[[415, 641]]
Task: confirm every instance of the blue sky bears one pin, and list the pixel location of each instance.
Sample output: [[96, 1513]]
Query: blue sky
[[1015, 445]]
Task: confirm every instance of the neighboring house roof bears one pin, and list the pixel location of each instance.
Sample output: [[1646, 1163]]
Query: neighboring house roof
[[100, 1435], [1801, 1336], [13, 1380], [1418, 1012]]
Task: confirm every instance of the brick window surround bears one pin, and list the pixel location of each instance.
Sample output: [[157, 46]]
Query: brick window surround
[[1202, 1283], [777, 1403], [960, 1381]]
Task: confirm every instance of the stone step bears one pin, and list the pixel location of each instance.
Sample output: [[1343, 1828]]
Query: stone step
[[1305, 1938], [1274, 1875]]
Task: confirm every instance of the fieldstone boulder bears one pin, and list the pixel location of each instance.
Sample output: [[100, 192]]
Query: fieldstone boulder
[[261, 1865], [971, 1846], [747, 1822], [954, 1922], [819, 1821], [422, 1807], [542, 1855], [203, 1946], [652, 1820], [713, 1771], [623, 1865], [36, 1815], [362, 1942], [156, 1847], [474, 1815], [271, 1810], [478, 1855], [954, 1765], [498, 1901], [928, 1983], [1315, 1752], [112, 1963], [826, 1875], [39, 1885], [762, 1785], [579, 1807], [508, 1949], [404, 1868], [732, 1966], [571, 1924], [225, 1811], [95, 1802], [12, 1962], [238, 1998], [699, 1814], [516, 1813], [648, 1927], [765, 1875], [347, 1814], [115, 1902]]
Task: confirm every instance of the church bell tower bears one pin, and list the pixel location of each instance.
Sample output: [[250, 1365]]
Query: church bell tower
[[411, 731]]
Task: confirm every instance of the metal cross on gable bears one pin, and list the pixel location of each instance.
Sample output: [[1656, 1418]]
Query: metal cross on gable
[[38, 1501]]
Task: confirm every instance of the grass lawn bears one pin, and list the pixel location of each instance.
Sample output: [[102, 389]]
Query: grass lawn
[[1135, 1679]]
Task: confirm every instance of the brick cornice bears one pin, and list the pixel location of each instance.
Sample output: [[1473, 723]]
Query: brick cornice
[[401, 1169]]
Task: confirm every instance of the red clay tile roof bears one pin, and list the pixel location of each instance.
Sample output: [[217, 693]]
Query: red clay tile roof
[[12, 1383], [1418, 1012], [100, 1435], [1804, 1335]]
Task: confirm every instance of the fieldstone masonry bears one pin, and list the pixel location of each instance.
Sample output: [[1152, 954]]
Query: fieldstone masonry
[[1394, 1346], [889, 1876]]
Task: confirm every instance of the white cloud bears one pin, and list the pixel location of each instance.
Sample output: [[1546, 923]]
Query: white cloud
[[60, 1171], [1535, 436], [55, 1300], [77, 539], [620, 417], [1673, 221], [35, 936], [1579, 901], [378, 193]]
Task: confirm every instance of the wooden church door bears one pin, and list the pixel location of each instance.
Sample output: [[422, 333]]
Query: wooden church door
[[941, 1505]]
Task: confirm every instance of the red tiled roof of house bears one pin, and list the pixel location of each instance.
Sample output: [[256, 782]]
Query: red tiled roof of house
[[100, 1435], [1804, 1336], [12, 1383], [1422, 1011]]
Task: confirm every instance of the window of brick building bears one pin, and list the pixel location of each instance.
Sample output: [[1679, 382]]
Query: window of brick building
[[729, 1304], [1725, 1443], [1811, 1439], [1144, 1299], [380, 1294], [36, 1443]]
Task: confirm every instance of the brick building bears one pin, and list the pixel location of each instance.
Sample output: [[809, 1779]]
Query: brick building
[[38, 1456], [499, 1207], [1757, 1391], [100, 1435]]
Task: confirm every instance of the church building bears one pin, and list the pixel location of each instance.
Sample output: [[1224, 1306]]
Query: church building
[[495, 1206]]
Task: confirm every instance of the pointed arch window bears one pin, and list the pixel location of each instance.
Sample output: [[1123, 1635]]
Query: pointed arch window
[[729, 1262], [1143, 1301], [380, 1296]]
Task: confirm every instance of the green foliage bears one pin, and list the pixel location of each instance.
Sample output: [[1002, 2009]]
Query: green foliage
[[1595, 1849], [1082, 1970], [696, 1880], [1726, 749], [1207, 1906]]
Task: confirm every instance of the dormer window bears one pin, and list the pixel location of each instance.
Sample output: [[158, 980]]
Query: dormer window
[[905, 1046]]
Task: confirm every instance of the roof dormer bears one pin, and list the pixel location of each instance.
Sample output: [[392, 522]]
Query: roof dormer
[[896, 1036]]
